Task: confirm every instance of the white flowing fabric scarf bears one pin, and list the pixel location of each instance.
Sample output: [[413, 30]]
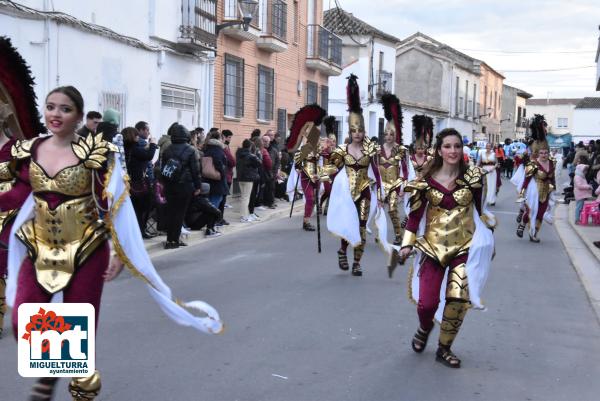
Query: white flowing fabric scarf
[[478, 263], [127, 242], [532, 196]]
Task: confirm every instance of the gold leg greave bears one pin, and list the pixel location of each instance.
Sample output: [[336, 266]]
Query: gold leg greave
[[454, 314], [2, 302], [360, 249], [457, 287], [85, 388], [395, 217]]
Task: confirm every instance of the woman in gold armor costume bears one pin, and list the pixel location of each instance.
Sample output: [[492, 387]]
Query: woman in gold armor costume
[[394, 168], [538, 182], [356, 168], [451, 230], [73, 197]]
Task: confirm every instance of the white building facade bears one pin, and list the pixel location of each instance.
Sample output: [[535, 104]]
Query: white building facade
[[558, 113], [133, 56], [373, 61], [586, 120]]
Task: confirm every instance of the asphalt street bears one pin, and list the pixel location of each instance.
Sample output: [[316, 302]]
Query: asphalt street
[[299, 329]]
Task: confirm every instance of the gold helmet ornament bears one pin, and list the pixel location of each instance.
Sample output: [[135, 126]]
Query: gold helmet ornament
[[305, 125], [422, 131], [393, 114], [356, 121], [538, 129]]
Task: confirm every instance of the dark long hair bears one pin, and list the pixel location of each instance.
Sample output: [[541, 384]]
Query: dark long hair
[[434, 165]]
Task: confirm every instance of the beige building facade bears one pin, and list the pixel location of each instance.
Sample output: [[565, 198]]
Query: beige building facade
[[490, 103], [283, 62]]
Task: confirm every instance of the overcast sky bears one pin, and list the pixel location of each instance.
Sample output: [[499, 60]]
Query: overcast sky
[[487, 30]]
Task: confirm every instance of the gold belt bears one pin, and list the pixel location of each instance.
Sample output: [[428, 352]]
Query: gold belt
[[60, 240]]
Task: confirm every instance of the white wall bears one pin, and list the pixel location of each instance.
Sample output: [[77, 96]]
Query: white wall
[[552, 113], [359, 66], [63, 55], [586, 123]]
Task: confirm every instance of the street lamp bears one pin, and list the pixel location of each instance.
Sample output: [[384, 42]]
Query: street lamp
[[246, 9], [506, 119]]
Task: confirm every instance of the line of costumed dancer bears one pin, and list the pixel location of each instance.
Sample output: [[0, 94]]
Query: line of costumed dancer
[[72, 199], [448, 227], [535, 182]]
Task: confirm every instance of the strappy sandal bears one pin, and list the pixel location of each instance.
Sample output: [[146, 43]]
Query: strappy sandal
[[43, 389], [419, 341], [520, 216], [356, 270], [343, 260], [520, 229], [447, 358]]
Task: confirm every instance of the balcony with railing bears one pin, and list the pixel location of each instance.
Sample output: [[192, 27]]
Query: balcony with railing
[[198, 25], [233, 13], [324, 52], [274, 27]]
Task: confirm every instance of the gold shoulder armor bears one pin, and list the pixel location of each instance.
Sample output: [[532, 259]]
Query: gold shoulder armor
[[93, 150], [417, 189], [472, 178], [530, 169], [416, 186], [402, 152], [22, 148], [370, 148]]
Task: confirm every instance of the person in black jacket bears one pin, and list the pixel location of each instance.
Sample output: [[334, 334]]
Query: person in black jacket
[[247, 164], [137, 158], [202, 213], [214, 149], [180, 192]]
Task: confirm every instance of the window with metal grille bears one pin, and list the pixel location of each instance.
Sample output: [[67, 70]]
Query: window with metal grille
[[177, 97], [233, 101], [325, 97], [116, 101], [282, 122], [562, 123], [266, 83], [311, 92]]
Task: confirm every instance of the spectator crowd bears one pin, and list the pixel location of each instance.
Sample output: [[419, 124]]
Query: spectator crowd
[[182, 181]]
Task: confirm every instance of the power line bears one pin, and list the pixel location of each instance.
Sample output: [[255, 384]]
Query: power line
[[550, 70], [530, 51]]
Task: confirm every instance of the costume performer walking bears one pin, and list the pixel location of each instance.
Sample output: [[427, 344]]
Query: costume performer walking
[[330, 143], [423, 134], [307, 157], [486, 159], [352, 200], [393, 162], [19, 119], [538, 182], [452, 231], [73, 197]]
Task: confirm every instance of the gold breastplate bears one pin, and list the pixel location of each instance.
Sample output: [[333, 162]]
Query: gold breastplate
[[72, 181], [543, 184], [449, 232], [358, 178], [309, 166], [61, 239]]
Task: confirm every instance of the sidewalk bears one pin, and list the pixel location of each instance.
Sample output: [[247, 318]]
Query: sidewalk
[[584, 256], [155, 246]]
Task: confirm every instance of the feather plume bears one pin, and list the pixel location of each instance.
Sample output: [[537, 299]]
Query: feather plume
[[16, 78]]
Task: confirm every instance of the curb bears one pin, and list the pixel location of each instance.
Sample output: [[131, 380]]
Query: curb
[[155, 248], [583, 259]]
